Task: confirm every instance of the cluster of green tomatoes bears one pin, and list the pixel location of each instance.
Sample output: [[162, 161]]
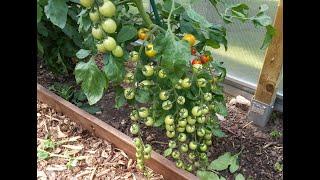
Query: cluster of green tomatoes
[[143, 152], [103, 26]]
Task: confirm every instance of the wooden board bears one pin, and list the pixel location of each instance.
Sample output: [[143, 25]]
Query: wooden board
[[101, 129], [270, 73]]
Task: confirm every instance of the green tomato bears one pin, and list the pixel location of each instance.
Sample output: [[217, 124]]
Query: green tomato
[[129, 93], [191, 120], [189, 167], [134, 56], [192, 156], [140, 161], [170, 127], [170, 134], [172, 144], [108, 9], [182, 122], [201, 132], [147, 156], [196, 68], [117, 52], [101, 48], [140, 167], [179, 163], [211, 107], [184, 148], [186, 83], [164, 95], [181, 100], [139, 149], [207, 96], [129, 77], [190, 128], [192, 145], [134, 129], [182, 137], [166, 105], [201, 82], [208, 142], [109, 43], [134, 115], [203, 156], [147, 70], [203, 147], [137, 141], [94, 16], [162, 74], [149, 121], [208, 136], [146, 83], [87, 3], [178, 86], [204, 109], [183, 113], [169, 120], [181, 129], [201, 119], [109, 26], [175, 154], [97, 33], [143, 112], [196, 111]]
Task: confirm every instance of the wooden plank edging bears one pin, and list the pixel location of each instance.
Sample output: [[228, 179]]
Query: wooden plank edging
[[158, 163]]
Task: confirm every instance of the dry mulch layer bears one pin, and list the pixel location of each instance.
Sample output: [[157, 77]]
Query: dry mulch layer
[[262, 153], [74, 153]]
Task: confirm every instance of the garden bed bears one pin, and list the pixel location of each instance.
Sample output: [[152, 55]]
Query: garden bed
[[262, 147]]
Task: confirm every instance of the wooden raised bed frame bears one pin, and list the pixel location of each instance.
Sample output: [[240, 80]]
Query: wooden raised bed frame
[[103, 130]]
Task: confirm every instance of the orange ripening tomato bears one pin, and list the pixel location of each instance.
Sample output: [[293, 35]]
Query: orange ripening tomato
[[190, 38], [193, 51], [142, 33], [205, 58], [196, 61]]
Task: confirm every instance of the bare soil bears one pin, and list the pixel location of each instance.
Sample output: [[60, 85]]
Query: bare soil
[[261, 151]]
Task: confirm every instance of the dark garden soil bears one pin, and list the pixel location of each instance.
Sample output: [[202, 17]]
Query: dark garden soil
[[262, 147]]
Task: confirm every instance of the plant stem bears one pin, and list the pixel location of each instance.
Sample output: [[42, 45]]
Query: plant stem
[[143, 13], [169, 17], [155, 12]]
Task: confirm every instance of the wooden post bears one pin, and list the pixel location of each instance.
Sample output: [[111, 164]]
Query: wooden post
[[271, 70]]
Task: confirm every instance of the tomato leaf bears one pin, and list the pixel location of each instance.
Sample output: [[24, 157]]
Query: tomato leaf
[[220, 108], [90, 109], [221, 163], [93, 81], [42, 154], [83, 53], [142, 96], [239, 177], [39, 13], [120, 99], [240, 11], [126, 33], [72, 33], [234, 165], [218, 133], [167, 152], [271, 31], [159, 121], [113, 69], [261, 20], [84, 21], [57, 11], [207, 175]]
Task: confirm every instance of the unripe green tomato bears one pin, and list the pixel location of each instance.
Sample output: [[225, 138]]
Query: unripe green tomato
[[196, 164], [208, 136], [196, 111], [190, 128], [211, 107], [117, 52], [182, 122], [208, 142], [186, 83], [175, 154], [146, 83], [139, 154], [94, 16], [170, 127], [179, 163], [181, 100], [137, 141], [143, 112], [183, 113], [204, 109], [140, 167], [178, 86], [203, 156], [196, 68], [201, 132], [134, 56], [147, 156], [191, 120], [87, 3], [108, 9], [201, 82], [192, 145], [134, 115], [129, 77], [170, 134], [164, 95], [203, 147], [97, 33], [162, 74], [201, 119], [129, 93], [192, 156], [140, 161], [109, 26], [182, 137], [139, 149], [189, 167], [149, 121], [166, 105], [169, 120], [184, 147], [101, 48], [172, 144], [207, 96], [109, 43], [181, 129], [134, 129], [147, 70]]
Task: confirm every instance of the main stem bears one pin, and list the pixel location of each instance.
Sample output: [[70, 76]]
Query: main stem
[[143, 13]]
